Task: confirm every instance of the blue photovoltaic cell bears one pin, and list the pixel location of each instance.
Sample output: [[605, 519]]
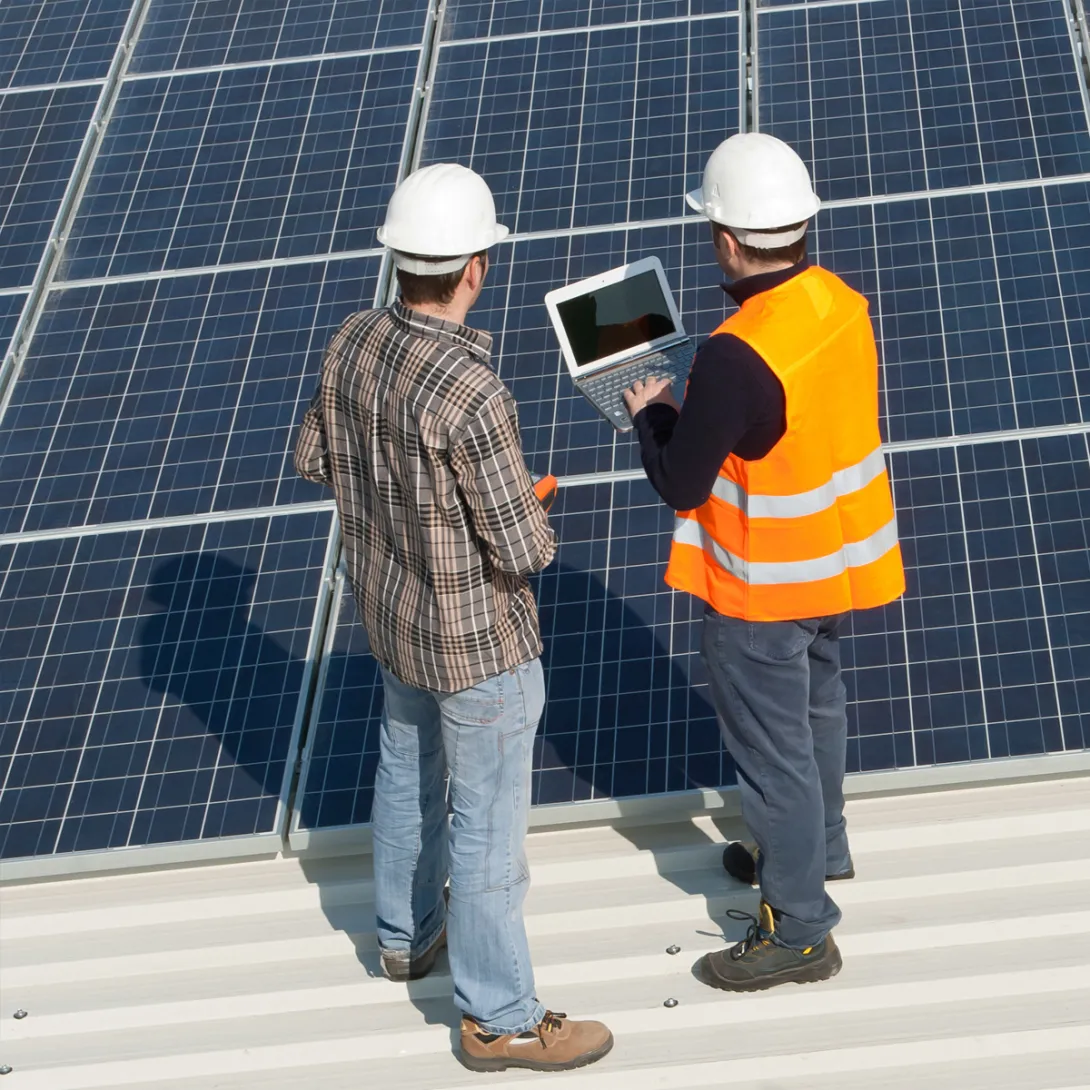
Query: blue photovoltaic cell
[[50, 41], [183, 34], [151, 682], [979, 303], [171, 397], [907, 95], [490, 18], [988, 655], [11, 306], [40, 137], [244, 165], [587, 128]]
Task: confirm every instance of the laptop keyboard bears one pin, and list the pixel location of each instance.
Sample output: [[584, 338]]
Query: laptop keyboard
[[606, 391]]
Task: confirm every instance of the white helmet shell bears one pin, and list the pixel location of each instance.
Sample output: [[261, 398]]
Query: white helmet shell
[[444, 210], [754, 182]]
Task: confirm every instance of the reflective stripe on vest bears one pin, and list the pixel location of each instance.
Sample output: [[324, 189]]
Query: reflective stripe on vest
[[855, 554], [843, 483]]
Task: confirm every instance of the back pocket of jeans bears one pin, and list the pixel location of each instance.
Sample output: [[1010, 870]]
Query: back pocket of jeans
[[781, 641], [483, 704]]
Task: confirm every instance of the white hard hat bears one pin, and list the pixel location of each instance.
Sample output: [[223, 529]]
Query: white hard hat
[[444, 210], [754, 182]]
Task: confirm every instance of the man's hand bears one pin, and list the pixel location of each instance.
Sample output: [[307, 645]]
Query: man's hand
[[655, 391]]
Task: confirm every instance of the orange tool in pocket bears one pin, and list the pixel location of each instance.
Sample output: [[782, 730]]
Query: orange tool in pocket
[[545, 489]]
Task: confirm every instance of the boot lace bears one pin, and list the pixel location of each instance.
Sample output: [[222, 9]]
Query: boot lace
[[549, 1023], [755, 939]]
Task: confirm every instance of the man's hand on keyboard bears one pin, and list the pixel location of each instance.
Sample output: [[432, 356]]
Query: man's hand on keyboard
[[653, 391]]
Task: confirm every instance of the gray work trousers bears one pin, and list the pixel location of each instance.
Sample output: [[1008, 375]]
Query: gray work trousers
[[777, 689]]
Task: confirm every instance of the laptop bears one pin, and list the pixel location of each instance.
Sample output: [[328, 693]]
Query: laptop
[[617, 328]]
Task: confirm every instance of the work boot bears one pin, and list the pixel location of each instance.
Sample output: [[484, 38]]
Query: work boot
[[740, 862], [402, 965], [556, 1043], [760, 962]]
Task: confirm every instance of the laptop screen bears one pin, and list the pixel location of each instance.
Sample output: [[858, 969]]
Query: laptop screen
[[615, 317]]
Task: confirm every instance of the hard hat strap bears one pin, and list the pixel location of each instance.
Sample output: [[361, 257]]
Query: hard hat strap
[[763, 240], [426, 266]]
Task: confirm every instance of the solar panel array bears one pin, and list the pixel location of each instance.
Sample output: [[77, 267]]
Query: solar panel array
[[176, 640]]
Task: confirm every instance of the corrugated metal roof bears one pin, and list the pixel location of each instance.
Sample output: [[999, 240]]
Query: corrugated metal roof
[[966, 941]]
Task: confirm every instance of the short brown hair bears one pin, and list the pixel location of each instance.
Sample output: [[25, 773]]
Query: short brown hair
[[437, 289], [792, 253]]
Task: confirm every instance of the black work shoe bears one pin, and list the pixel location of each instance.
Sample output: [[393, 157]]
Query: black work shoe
[[759, 962], [402, 965], [740, 862]]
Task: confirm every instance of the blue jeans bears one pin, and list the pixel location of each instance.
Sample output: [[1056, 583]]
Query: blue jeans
[[484, 738], [777, 688]]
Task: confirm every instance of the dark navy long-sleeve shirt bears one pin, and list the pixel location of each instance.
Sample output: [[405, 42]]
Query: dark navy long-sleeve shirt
[[734, 404]]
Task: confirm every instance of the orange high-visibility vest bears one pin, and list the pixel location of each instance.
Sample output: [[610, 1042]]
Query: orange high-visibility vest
[[809, 530]]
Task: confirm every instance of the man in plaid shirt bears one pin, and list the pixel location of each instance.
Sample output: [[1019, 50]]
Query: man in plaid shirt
[[419, 440]]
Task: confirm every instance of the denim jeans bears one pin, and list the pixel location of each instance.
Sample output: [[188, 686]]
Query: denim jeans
[[482, 740], [777, 688]]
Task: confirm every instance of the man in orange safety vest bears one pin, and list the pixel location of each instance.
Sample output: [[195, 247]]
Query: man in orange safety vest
[[785, 524]]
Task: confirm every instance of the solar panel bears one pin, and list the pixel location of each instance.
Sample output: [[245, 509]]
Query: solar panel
[[586, 128], [151, 681], [54, 41], [244, 165], [182, 34], [40, 137], [171, 397], [892, 97]]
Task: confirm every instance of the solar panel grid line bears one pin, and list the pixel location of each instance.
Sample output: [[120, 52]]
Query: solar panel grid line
[[273, 63], [38, 88], [795, 5], [208, 270], [576, 480], [54, 249], [563, 232], [592, 28], [207, 518]]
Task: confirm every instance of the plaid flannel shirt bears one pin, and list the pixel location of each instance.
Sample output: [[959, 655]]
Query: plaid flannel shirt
[[419, 440]]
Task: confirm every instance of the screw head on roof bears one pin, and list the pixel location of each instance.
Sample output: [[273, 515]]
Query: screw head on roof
[[670, 1003], [20, 1014], [5, 1069], [673, 949]]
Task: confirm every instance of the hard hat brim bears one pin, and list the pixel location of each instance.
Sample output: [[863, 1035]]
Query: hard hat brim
[[695, 200], [391, 241]]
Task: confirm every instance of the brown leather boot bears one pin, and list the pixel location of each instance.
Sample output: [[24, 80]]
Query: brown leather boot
[[556, 1043]]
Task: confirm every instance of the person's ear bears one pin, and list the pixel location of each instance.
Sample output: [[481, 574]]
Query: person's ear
[[727, 242], [473, 277]]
